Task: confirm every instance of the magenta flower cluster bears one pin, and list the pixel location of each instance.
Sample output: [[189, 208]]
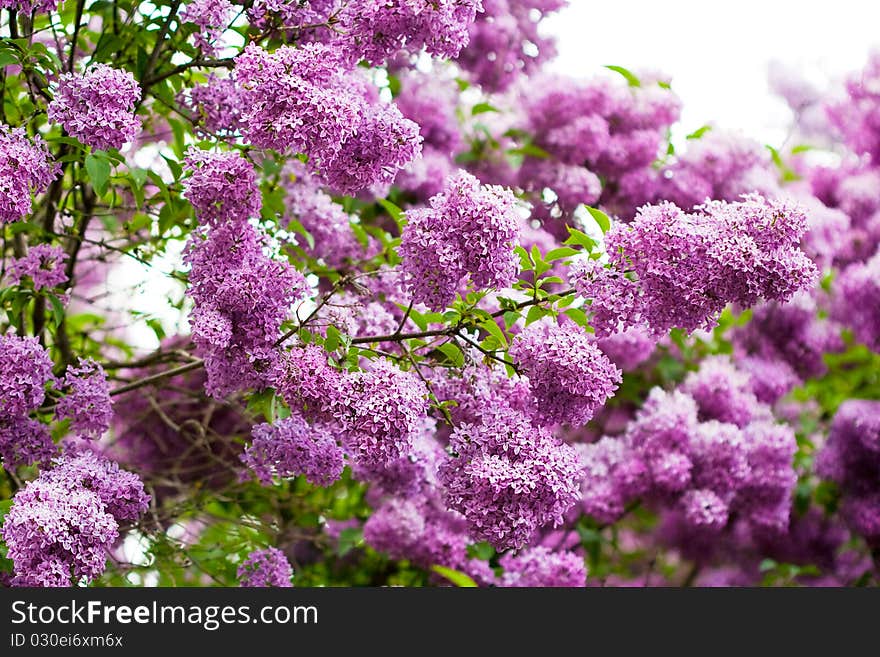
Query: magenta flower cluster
[[62, 524], [87, 403], [26, 167], [212, 18], [290, 448], [97, 106], [221, 187], [708, 450], [508, 478], [468, 231], [265, 568], [303, 100], [569, 376], [672, 269], [44, 264]]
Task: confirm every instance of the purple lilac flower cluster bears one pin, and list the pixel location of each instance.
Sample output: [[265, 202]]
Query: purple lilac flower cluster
[[87, 403], [304, 100], [265, 568], [62, 524], [44, 264], [673, 269], [25, 371], [222, 186], [290, 448], [26, 166], [469, 230], [97, 106], [212, 18], [851, 458], [569, 376], [216, 105], [508, 478], [707, 451]]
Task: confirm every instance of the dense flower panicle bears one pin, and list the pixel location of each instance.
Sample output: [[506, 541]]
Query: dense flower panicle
[[614, 474], [541, 567], [431, 101], [307, 381], [302, 100], [414, 474], [569, 377], [765, 498], [629, 348], [504, 41], [469, 230], [24, 441], [677, 453], [292, 447], [241, 296], [44, 264], [596, 134], [383, 143], [857, 300], [661, 434], [291, 16], [326, 221], [508, 478], [381, 411], [476, 387], [87, 403], [62, 524], [856, 115], [97, 107], [25, 369], [25, 166], [851, 458], [265, 568], [420, 530], [29, 6], [222, 186], [376, 30], [212, 18], [121, 492], [722, 392], [687, 267], [783, 344], [217, 105], [56, 536]]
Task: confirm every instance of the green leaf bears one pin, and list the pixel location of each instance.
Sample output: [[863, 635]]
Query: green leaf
[[699, 132], [331, 343], [531, 150], [452, 352], [7, 58], [630, 77], [600, 217], [349, 539], [393, 211], [98, 169], [482, 108], [580, 238], [560, 253], [57, 310], [492, 329], [456, 577]]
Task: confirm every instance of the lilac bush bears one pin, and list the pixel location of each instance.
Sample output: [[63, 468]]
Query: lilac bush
[[362, 290]]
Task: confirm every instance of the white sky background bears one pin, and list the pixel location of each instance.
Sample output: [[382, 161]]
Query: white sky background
[[717, 53]]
